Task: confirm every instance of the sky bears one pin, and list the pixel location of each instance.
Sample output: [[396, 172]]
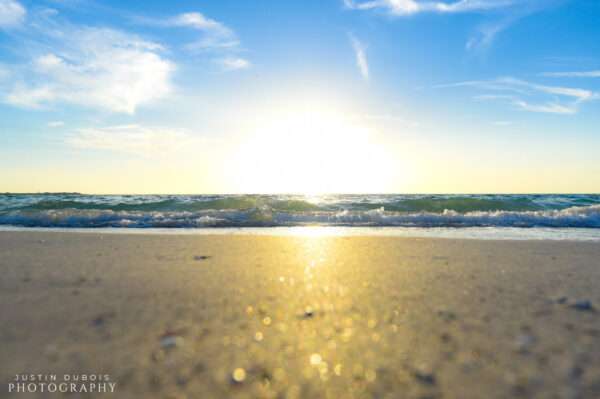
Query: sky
[[307, 96]]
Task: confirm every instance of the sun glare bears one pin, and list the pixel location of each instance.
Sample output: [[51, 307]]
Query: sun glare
[[313, 152]]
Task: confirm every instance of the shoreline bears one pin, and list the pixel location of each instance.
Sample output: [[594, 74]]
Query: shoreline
[[453, 233]]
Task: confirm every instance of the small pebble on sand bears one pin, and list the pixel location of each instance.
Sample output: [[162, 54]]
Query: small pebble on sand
[[308, 312], [425, 377], [170, 340], [102, 319], [525, 342], [583, 305], [562, 299], [446, 315]]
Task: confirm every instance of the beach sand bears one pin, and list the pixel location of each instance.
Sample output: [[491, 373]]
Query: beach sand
[[199, 316]]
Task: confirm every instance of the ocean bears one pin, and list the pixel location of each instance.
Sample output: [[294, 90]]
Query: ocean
[[68, 210]]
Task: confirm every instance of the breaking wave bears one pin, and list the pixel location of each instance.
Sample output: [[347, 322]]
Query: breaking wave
[[158, 211]]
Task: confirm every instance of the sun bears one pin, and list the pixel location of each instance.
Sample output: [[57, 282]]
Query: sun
[[318, 150]]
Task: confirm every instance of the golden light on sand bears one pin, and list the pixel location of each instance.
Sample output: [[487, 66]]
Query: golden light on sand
[[315, 359], [313, 151], [239, 375]]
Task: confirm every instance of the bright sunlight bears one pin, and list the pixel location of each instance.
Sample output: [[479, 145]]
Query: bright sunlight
[[299, 150]]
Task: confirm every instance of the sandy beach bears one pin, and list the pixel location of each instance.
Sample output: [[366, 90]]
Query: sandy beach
[[174, 316]]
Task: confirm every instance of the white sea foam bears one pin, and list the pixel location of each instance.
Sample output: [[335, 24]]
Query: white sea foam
[[573, 217]]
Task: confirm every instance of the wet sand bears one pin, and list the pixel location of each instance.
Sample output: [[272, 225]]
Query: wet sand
[[169, 316]]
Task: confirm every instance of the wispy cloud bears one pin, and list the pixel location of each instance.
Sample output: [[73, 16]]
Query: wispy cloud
[[12, 13], [486, 33], [579, 74], [233, 63], [361, 56], [133, 139], [505, 17], [548, 108], [198, 21], [532, 97], [92, 67], [505, 13], [55, 124], [215, 34], [214, 37], [408, 7], [574, 93]]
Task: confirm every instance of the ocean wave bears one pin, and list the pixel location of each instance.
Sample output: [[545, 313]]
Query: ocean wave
[[413, 203], [156, 203], [577, 216]]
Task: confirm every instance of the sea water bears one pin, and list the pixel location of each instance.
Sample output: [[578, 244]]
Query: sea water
[[559, 216]]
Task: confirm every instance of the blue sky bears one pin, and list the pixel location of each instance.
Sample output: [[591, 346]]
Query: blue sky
[[208, 96]]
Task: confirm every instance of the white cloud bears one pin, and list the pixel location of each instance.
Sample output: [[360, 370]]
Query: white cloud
[[580, 74], [408, 7], [55, 124], [532, 97], [233, 63], [215, 34], [506, 12], [97, 68], [198, 21], [214, 37], [575, 93], [133, 139], [12, 13], [29, 97], [486, 33], [549, 108], [361, 57], [510, 14]]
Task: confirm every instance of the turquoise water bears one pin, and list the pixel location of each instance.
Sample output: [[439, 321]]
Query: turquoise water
[[212, 211]]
